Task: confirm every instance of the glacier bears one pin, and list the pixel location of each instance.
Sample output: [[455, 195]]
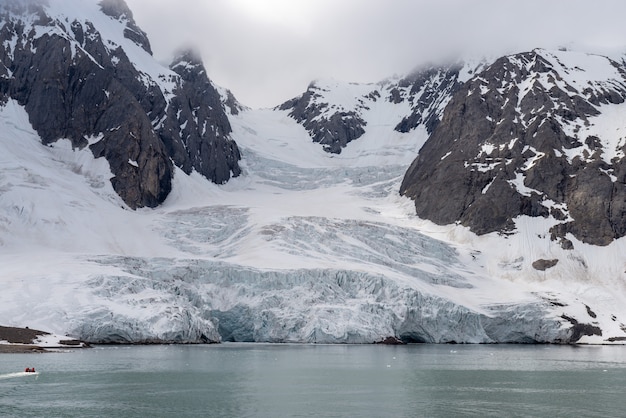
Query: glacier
[[303, 247], [309, 249]]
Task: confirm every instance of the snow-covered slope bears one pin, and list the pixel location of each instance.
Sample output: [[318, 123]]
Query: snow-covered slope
[[83, 71], [337, 113], [305, 246]]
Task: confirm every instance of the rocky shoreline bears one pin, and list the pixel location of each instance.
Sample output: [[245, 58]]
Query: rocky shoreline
[[15, 349], [25, 340]]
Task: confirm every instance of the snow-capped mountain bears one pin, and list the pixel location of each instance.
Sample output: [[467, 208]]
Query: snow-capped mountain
[[336, 113], [536, 134], [83, 71], [313, 241]]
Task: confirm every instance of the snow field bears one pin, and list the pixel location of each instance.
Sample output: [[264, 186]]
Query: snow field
[[311, 256]]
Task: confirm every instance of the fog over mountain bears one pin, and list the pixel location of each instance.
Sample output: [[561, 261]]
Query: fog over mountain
[[267, 51]]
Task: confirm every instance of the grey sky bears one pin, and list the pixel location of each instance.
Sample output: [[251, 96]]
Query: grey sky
[[267, 51]]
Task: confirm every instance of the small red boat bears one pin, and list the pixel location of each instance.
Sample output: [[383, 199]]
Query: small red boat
[[29, 370]]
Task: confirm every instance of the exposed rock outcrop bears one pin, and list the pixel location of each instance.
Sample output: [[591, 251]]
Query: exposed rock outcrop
[[118, 9], [196, 130], [78, 85], [543, 265], [332, 127], [336, 114], [519, 138], [428, 90]]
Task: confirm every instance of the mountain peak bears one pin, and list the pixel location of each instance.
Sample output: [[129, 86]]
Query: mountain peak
[[119, 10], [116, 8], [525, 137], [83, 69], [187, 61]]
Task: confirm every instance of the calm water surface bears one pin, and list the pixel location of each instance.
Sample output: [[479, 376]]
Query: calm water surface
[[259, 380]]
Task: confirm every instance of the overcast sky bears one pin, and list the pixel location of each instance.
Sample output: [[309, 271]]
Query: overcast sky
[[267, 51]]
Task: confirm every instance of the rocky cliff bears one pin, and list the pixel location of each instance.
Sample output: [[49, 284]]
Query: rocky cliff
[[336, 113], [533, 134], [84, 71], [196, 129]]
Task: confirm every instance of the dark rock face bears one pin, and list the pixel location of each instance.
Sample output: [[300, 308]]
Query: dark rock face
[[76, 85], [427, 90], [332, 129], [579, 330], [196, 135], [334, 124], [68, 94], [118, 9], [514, 140], [543, 265]]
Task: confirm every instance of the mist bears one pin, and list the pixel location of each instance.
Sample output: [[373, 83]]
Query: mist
[[268, 51]]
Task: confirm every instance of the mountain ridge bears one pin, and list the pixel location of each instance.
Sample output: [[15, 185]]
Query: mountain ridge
[[102, 70], [544, 115], [332, 112]]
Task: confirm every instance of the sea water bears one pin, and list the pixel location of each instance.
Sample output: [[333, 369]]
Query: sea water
[[263, 380]]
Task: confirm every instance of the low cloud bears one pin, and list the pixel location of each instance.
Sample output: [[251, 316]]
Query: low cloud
[[268, 51]]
